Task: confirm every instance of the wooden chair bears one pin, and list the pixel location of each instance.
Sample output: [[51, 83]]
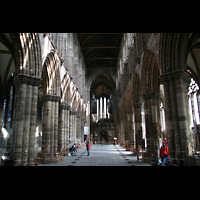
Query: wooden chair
[[53, 158], [146, 157], [30, 164], [47, 158], [138, 157], [63, 152], [39, 158], [60, 158]]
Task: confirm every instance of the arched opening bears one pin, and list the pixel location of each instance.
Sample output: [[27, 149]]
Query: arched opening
[[151, 98], [102, 106], [103, 135], [8, 59], [50, 88]]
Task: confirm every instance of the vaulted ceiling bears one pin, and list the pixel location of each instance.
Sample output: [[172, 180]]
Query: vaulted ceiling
[[7, 65], [193, 59], [100, 51]]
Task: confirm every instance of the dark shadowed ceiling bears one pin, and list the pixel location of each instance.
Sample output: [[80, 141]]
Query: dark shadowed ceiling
[[100, 49]]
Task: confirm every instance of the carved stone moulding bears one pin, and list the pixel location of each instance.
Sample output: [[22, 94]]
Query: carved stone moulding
[[49, 97], [27, 79]]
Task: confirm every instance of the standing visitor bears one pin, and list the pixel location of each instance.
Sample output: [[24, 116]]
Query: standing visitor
[[88, 148], [164, 153]]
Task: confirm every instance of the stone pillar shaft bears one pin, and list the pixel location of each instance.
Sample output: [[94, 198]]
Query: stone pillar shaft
[[61, 126], [78, 129], [63, 132], [178, 132], [138, 124], [24, 122], [151, 106], [50, 123]]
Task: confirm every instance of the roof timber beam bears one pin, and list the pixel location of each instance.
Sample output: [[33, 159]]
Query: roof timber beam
[[101, 66], [103, 58], [99, 33], [105, 47]]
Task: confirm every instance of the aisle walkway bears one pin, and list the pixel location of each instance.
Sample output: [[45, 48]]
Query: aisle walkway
[[106, 155]]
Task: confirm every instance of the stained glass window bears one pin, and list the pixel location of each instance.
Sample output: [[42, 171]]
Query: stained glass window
[[10, 107], [4, 109]]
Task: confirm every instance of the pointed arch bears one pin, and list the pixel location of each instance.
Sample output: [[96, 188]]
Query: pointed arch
[[51, 75], [128, 98], [173, 50], [136, 90], [31, 54], [150, 73]]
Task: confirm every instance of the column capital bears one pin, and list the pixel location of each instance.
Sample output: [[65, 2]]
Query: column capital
[[49, 97], [78, 115], [151, 95], [177, 74], [64, 107], [137, 105], [73, 112], [27, 79]]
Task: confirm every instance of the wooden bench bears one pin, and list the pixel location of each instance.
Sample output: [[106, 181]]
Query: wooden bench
[[28, 164]]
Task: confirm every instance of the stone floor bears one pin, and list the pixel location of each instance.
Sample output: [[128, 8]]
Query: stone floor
[[106, 155]]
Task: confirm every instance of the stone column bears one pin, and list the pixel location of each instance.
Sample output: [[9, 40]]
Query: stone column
[[49, 123], [46, 126], [61, 126], [151, 105], [138, 124], [125, 119], [67, 119], [52, 127], [56, 126], [78, 129], [70, 125], [73, 126], [177, 115], [33, 123], [24, 122], [130, 126], [63, 133], [82, 127]]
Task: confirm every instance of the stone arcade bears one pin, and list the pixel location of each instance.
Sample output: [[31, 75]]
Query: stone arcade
[[137, 87]]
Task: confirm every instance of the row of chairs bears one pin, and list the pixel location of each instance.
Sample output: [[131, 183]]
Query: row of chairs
[[28, 164], [48, 158]]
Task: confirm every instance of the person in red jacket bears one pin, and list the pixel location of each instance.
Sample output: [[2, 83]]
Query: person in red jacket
[[164, 153], [162, 148], [88, 147], [166, 142]]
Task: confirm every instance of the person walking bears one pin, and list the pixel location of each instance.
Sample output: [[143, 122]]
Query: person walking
[[88, 148], [73, 150]]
